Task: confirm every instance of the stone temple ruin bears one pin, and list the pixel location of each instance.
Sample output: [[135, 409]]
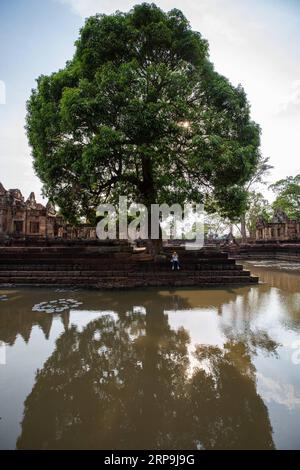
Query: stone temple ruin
[[280, 228], [36, 250], [32, 220], [20, 218]]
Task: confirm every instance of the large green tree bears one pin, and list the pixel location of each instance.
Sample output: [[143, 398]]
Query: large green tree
[[255, 200], [288, 196], [140, 111], [258, 207]]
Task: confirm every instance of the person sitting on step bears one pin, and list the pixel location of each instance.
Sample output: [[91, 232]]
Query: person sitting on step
[[175, 261]]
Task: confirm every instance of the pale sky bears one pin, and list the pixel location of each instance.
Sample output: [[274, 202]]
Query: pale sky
[[252, 42]]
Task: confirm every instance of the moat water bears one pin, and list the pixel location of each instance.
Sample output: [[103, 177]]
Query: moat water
[[153, 369]]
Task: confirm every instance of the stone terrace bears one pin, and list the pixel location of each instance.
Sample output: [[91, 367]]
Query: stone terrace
[[110, 267]]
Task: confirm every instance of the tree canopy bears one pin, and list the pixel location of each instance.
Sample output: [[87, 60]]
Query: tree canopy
[[288, 196], [258, 207], [140, 111]]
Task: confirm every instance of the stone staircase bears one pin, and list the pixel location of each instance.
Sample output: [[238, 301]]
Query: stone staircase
[[78, 266]]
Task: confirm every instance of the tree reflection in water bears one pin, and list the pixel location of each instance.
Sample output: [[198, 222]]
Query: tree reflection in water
[[124, 382]]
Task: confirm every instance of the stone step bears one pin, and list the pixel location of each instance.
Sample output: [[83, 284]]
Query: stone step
[[113, 270], [100, 262], [125, 274], [128, 268], [42, 253], [197, 254], [123, 282]]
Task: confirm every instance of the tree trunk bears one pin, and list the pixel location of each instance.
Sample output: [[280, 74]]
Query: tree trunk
[[243, 228], [154, 247], [151, 418], [149, 197]]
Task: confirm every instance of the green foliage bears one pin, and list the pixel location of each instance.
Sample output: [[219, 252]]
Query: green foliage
[[263, 167], [288, 196], [140, 111], [258, 207], [216, 226]]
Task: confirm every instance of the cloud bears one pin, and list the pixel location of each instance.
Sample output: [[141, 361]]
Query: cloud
[[2, 92], [283, 394], [85, 8], [206, 13], [290, 104], [16, 163]]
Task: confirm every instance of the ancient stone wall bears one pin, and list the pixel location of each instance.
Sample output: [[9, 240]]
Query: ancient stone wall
[[281, 228], [21, 219]]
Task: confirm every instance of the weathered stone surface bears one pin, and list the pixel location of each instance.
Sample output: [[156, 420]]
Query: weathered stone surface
[[76, 266], [281, 228], [23, 219], [267, 250]]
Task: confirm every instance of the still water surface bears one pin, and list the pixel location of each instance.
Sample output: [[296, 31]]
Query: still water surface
[[153, 369]]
